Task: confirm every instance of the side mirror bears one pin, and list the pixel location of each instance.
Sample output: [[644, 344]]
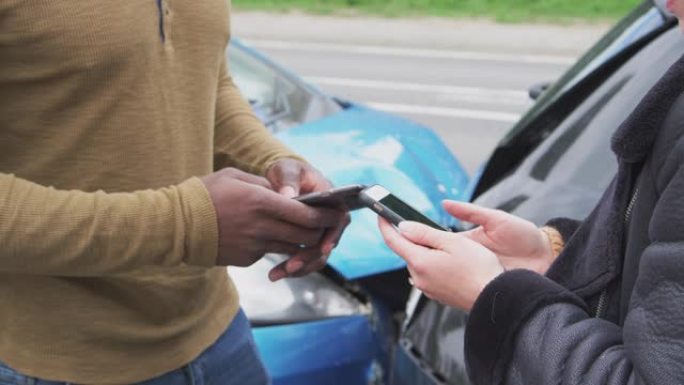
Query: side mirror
[[536, 90]]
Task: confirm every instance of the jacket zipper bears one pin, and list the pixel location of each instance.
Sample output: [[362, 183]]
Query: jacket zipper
[[601, 307], [630, 207]]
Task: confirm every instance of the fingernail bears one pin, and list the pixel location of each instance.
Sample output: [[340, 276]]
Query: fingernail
[[276, 275], [294, 266], [288, 191], [404, 227]]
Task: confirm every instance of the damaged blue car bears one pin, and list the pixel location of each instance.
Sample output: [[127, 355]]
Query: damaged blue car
[[339, 326]]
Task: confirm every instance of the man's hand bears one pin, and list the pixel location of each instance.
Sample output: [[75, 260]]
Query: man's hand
[[518, 243], [291, 177], [254, 220]]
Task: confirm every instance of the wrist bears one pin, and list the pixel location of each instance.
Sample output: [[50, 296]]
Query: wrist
[[555, 243], [200, 219], [487, 278]]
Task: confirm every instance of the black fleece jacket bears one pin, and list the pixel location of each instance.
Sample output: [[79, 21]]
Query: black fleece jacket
[[611, 308]]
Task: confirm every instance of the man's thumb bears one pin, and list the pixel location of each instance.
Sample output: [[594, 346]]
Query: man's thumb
[[288, 191], [286, 178]]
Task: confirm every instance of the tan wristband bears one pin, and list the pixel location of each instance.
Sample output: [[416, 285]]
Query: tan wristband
[[555, 240]]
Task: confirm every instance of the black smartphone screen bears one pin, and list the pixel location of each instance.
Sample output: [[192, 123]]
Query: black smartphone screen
[[407, 212]]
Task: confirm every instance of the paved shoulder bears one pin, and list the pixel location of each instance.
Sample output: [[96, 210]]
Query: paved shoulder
[[435, 33], [467, 80]]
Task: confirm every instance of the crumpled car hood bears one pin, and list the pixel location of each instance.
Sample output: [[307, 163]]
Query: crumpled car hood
[[363, 146]]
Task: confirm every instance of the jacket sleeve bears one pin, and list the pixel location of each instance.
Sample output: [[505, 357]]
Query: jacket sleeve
[[565, 226], [240, 139], [45, 231], [526, 329]]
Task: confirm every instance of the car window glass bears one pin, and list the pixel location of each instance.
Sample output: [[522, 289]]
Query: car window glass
[[626, 34], [266, 91], [570, 170], [279, 98], [640, 22], [582, 145], [556, 150]]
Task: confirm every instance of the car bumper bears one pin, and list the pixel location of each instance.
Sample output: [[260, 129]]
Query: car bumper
[[334, 351], [407, 369]]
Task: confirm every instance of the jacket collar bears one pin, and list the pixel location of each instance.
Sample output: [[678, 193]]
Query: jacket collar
[[635, 137]]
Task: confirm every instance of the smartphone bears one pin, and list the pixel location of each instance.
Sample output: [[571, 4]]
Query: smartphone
[[346, 196], [390, 207]]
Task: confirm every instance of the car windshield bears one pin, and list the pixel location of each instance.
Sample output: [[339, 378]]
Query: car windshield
[[263, 87], [280, 100], [643, 20]]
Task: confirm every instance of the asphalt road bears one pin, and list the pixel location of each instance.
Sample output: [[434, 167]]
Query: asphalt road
[[469, 97]]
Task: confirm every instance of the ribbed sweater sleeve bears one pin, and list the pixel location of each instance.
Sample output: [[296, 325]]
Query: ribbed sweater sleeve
[[240, 139], [45, 231]]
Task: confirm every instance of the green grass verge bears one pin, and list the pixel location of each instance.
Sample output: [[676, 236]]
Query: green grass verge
[[501, 10]]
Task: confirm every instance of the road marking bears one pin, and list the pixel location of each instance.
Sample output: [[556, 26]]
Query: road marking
[[445, 112], [410, 52], [469, 94]]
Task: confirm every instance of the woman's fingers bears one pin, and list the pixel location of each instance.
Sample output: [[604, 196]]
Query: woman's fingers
[[406, 249], [473, 213], [423, 235]]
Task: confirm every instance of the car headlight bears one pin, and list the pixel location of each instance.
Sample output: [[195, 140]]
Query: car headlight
[[308, 298]]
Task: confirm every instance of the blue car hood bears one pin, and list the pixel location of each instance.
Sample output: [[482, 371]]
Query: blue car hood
[[364, 146]]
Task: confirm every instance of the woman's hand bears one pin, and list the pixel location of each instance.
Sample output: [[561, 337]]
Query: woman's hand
[[518, 243], [448, 267]]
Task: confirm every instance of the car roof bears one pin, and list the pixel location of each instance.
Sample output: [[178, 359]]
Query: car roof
[[662, 5]]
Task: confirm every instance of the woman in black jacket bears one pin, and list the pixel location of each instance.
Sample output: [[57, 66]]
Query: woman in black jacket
[[610, 308]]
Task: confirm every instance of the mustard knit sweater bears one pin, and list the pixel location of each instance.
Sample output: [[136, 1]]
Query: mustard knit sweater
[[109, 110]]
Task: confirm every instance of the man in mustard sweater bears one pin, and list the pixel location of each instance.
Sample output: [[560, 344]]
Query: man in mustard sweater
[[111, 245]]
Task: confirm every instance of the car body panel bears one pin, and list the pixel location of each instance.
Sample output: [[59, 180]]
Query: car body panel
[[405, 373], [302, 353], [406, 158], [442, 347]]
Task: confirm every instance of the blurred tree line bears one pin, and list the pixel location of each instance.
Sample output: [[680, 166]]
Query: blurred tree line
[[503, 10]]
